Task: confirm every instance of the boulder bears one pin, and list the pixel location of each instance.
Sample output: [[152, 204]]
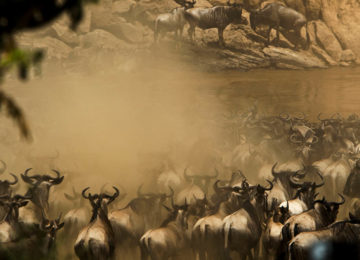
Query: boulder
[[321, 54], [103, 40], [297, 5], [65, 34], [85, 24], [343, 18], [313, 9], [327, 40], [347, 56], [54, 48], [292, 58], [126, 31], [122, 7], [203, 3]]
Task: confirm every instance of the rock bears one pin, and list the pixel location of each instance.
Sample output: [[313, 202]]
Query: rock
[[343, 18], [122, 7], [347, 56], [100, 17], [313, 9], [85, 24], [320, 53], [286, 66], [327, 40], [103, 40], [65, 34], [54, 48], [297, 5], [128, 32], [202, 3], [292, 58]]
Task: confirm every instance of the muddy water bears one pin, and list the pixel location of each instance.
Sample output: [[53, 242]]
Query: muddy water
[[274, 91], [102, 122]]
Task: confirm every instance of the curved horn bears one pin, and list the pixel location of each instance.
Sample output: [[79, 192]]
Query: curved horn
[[25, 176], [319, 117], [271, 185], [171, 193], [284, 116], [322, 180], [216, 187], [293, 183], [293, 139], [114, 196], [341, 202], [58, 179], [3, 169], [302, 117], [15, 179], [275, 174], [83, 193]]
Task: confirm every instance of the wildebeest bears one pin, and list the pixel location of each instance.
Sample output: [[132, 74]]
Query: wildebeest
[[196, 187], [40, 245], [10, 229], [283, 189], [5, 185], [97, 241], [39, 190], [344, 234], [207, 239], [276, 15], [173, 21], [139, 215], [304, 196], [323, 214], [215, 17], [169, 239], [272, 236], [242, 229]]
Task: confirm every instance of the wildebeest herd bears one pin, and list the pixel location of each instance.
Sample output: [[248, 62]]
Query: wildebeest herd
[[306, 206], [274, 15]]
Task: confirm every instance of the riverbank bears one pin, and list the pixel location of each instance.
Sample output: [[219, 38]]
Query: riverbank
[[118, 31]]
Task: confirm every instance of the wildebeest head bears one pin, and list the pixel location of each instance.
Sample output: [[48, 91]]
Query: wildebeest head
[[5, 185], [12, 204], [306, 190], [40, 187], [203, 181], [328, 209], [200, 208], [100, 202], [284, 178], [178, 214], [47, 234], [281, 214], [235, 13]]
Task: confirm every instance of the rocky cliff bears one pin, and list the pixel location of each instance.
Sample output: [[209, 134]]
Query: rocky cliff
[[118, 30]]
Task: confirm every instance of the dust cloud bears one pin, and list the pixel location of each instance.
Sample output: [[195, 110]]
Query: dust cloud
[[115, 125]]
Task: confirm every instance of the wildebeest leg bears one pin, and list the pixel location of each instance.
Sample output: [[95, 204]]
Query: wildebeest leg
[[221, 37], [268, 36], [181, 29], [277, 34], [191, 32]]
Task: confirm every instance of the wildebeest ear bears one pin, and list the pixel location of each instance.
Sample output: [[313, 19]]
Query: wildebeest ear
[[60, 226], [167, 208], [23, 203]]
